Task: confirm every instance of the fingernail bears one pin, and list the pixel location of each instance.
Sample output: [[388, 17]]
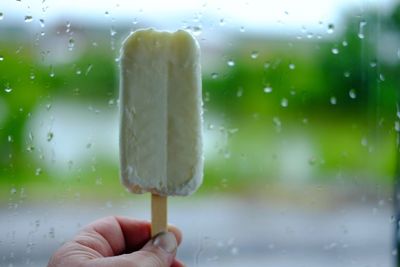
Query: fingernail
[[166, 241]]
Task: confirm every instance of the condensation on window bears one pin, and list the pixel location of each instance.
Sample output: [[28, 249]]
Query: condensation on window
[[301, 129]]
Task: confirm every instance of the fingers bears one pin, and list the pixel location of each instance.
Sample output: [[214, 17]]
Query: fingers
[[112, 240], [158, 252]]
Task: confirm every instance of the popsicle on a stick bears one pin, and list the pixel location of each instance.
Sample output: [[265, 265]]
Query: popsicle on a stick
[[161, 117]]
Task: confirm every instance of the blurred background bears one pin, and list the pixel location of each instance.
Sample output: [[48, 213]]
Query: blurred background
[[301, 117]]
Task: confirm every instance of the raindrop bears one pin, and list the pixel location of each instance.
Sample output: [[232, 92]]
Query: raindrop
[[1, 58], [344, 43], [352, 93], [231, 63], [242, 29], [346, 74], [333, 100], [38, 171], [1, 15], [335, 51], [239, 92], [78, 72], [197, 30], [30, 148], [292, 66], [364, 141], [32, 76], [267, 65], [28, 18], [214, 75], [50, 136], [41, 23], [254, 55], [222, 22], [234, 251], [113, 32], [48, 107], [373, 63], [99, 181], [8, 89], [71, 44], [89, 68], [331, 28], [52, 74], [382, 77], [106, 13], [10, 139], [397, 126], [284, 102], [361, 34], [268, 89]]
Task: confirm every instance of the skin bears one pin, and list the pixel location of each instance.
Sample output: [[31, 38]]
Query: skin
[[115, 241]]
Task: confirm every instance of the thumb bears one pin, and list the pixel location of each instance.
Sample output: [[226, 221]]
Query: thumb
[[158, 252]]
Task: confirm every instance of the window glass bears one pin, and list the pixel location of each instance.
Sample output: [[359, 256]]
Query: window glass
[[301, 123]]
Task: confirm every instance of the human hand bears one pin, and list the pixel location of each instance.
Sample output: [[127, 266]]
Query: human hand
[[119, 241]]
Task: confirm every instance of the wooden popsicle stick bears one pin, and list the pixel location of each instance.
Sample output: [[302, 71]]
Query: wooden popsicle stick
[[158, 214]]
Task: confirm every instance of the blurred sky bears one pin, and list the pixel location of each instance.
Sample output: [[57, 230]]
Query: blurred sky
[[251, 16]]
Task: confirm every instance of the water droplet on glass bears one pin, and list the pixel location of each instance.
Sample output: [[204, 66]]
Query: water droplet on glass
[[231, 63], [344, 43], [1, 15], [32, 76], [242, 29], [234, 251], [13, 191], [346, 74], [38, 171], [71, 44], [99, 181], [267, 65], [267, 89], [78, 72], [254, 55], [381, 77], [89, 68], [41, 21], [1, 58], [373, 64], [106, 13], [239, 92], [364, 141], [48, 107], [331, 28], [222, 22], [52, 74], [352, 94], [333, 100], [8, 89], [284, 102], [397, 126], [335, 51], [292, 66], [312, 161], [361, 30], [10, 139], [28, 18], [50, 136], [214, 75], [398, 53], [197, 30]]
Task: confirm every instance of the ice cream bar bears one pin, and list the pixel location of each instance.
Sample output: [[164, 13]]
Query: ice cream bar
[[161, 113]]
